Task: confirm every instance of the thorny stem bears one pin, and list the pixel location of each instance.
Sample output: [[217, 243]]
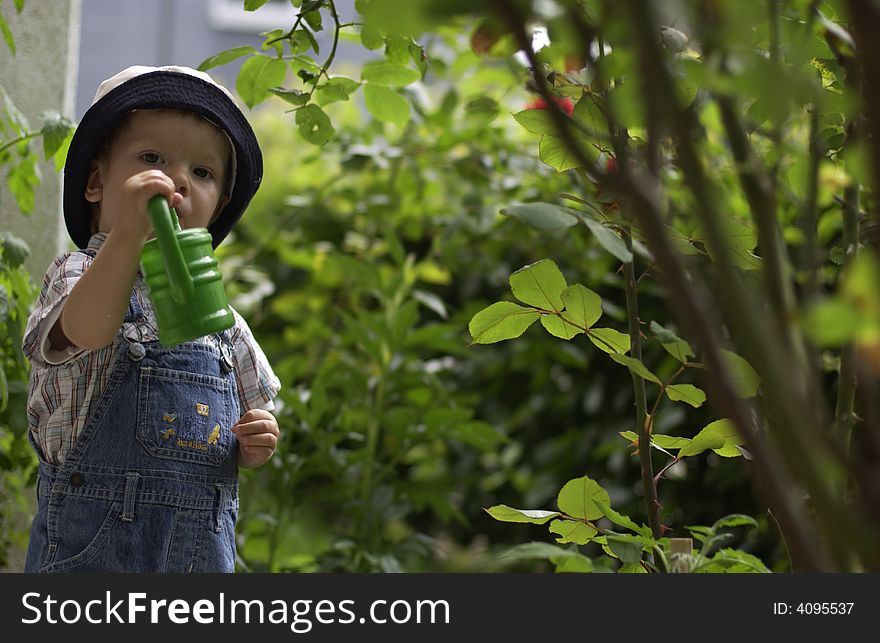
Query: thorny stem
[[775, 479], [652, 505]]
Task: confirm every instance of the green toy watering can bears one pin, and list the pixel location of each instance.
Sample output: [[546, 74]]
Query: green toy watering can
[[183, 279]]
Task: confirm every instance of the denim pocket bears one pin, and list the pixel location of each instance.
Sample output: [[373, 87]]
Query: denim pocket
[[87, 526], [185, 416]]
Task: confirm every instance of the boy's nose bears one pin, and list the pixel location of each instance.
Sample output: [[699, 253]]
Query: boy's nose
[[181, 184]]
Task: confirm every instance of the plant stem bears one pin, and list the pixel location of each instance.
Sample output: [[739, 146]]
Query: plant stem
[[844, 419], [24, 137], [808, 451], [652, 506], [691, 312], [808, 216], [367, 525]]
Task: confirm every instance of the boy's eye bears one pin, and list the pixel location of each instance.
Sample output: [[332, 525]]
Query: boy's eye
[[151, 157], [203, 173]]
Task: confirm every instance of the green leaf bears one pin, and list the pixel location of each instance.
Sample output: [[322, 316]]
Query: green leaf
[[715, 436], [746, 562], [481, 110], [397, 49], [555, 153], [338, 88], [582, 305], [745, 379], [502, 320], [56, 128], [371, 38], [632, 568], [509, 514], [225, 57], [588, 113], [543, 551], [420, 57], [7, 34], [578, 498], [560, 326], [538, 121], [608, 239], [539, 284], [481, 435], [626, 547], [832, 322], [632, 436], [687, 393], [386, 105], [622, 520], [253, 5], [382, 72], [313, 17], [540, 215], [680, 350], [571, 531], [314, 125], [635, 366], [609, 340], [431, 301], [574, 564], [734, 520], [292, 96], [13, 249], [672, 343], [257, 75], [669, 441], [22, 181]]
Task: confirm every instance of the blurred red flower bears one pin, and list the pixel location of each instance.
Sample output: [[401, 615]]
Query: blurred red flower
[[564, 103]]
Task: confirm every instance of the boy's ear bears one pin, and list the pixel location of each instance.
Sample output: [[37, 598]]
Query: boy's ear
[[94, 184]]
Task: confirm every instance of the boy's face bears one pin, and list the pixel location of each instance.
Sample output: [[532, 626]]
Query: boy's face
[[188, 149]]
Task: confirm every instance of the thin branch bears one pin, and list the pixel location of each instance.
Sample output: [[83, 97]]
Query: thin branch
[[652, 504], [24, 137]]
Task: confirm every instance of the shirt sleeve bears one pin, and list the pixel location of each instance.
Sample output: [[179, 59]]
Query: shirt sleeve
[[257, 383], [60, 279]]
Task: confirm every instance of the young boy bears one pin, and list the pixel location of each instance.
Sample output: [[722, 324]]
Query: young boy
[[139, 444]]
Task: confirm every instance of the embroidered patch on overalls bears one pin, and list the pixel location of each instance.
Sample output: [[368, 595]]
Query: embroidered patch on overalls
[[192, 444], [215, 435], [202, 409], [168, 433], [169, 417]]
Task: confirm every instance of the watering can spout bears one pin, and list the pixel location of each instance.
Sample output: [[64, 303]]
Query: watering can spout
[[166, 226]]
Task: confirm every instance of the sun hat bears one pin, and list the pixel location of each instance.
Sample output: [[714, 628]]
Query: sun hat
[[169, 87]]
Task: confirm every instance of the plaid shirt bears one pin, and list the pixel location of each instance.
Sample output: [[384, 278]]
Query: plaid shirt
[[65, 384]]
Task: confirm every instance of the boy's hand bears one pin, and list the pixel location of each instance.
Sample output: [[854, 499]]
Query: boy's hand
[[257, 433], [133, 219]]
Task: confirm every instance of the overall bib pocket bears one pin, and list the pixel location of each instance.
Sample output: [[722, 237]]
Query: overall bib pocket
[[184, 416]]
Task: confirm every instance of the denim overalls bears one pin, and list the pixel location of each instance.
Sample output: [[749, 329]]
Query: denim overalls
[[151, 484]]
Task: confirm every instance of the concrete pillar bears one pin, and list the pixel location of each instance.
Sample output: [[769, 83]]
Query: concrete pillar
[[40, 77]]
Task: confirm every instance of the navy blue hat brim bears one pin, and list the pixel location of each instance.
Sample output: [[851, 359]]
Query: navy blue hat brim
[[160, 90]]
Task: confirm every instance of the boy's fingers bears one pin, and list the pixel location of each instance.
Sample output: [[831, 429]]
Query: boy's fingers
[[256, 414], [266, 440], [256, 427]]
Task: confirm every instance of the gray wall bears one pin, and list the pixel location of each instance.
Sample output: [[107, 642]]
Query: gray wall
[[119, 33], [40, 77]]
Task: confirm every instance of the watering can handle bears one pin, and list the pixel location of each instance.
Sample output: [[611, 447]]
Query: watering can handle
[[166, 226]]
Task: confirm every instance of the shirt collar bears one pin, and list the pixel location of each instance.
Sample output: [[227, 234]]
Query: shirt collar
[[97, 240]]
